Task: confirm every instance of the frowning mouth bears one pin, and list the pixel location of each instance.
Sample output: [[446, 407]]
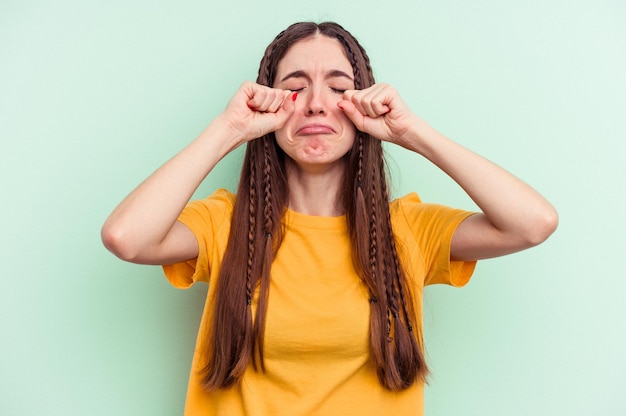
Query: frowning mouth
[[315, 128]]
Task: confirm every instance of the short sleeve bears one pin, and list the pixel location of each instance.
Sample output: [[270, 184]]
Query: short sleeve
[[209, 221], [426, 232]]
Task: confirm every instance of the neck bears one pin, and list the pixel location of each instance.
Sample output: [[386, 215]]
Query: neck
[[316, 190]]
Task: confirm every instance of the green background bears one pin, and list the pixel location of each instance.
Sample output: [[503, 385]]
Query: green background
[[95, 95]]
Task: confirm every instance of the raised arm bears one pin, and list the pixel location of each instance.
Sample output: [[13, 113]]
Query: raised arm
[[143, 228], [514, 216]]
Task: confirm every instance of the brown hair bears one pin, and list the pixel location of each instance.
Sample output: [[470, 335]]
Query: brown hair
[[256, 233]]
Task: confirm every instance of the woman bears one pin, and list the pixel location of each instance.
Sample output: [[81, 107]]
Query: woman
[[314, 305]]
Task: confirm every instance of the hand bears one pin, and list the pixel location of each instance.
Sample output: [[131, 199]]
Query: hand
[[256, 110], [380, 112]]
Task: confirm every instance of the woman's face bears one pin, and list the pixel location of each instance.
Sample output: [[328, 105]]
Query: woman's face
[[318, 133]]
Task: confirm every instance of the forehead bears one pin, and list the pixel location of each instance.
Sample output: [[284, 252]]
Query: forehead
[[318, 53]]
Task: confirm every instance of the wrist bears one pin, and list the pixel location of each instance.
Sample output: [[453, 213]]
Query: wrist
[[418, 136], [221, 136]]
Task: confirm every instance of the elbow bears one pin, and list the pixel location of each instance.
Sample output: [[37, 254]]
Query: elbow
[[117, 243], [542, 227]]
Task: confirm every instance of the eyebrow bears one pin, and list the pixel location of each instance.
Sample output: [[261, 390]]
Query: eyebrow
[[335, 73]]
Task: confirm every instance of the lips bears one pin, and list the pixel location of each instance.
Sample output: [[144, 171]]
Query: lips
[[315, 128]]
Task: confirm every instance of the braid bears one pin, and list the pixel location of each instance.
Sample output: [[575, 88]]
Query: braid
[[267, 189], [395, 269], [361, 80], [268, 65], [409, 362], [374, 266], [368, 67], [359, 173], [266, 260], [251, 232], [358, 83], [264, 70], [405, 311], [396, 266], [384, 277], [352, 59], [377, 264]]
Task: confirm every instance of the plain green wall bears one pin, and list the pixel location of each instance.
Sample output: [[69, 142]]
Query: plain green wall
[[95, 95]]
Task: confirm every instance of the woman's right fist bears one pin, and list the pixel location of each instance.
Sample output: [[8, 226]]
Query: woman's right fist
[[256, 110]]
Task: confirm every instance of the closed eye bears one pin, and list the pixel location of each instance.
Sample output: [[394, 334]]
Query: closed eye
[[338, 90]]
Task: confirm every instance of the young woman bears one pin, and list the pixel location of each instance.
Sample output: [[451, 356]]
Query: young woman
[[315, 277]]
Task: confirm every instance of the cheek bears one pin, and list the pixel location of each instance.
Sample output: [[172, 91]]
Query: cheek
[[285, 141], [348, 126], [282, 137]]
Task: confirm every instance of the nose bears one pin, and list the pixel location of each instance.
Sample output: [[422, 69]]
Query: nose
[[312, 111], [315, 103]]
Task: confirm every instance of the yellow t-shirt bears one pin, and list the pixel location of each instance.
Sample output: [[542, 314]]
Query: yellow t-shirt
[[317, 355]]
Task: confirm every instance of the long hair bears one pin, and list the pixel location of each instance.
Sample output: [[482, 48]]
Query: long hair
[[256, 234]]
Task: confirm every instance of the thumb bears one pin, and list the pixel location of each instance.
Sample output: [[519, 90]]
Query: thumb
[[289, 104], [277, 119], [287, 108], [352, 112]]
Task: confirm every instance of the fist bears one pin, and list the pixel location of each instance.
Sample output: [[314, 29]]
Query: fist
[[256, 110], [378, 111]]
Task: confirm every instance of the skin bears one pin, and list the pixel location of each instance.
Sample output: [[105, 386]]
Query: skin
[[315, 131]]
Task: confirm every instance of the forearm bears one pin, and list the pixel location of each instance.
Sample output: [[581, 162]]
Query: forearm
[[144, 218], [510, 205], [514, 216]]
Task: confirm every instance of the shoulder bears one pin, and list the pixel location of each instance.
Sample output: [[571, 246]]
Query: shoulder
[[210, 213], [425, 221], [222, 197], [221, 201], [406, 200], [411, 208]]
